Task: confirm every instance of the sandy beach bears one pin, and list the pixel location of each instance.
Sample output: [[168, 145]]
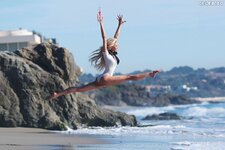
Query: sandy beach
[[33, 139]]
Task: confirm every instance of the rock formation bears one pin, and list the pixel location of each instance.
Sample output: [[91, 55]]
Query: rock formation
[[29, 75], [163, 116]]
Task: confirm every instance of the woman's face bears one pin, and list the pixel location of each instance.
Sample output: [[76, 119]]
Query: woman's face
[[114, 47]]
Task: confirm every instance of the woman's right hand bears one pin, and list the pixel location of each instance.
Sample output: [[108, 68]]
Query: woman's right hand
[[100, 16]]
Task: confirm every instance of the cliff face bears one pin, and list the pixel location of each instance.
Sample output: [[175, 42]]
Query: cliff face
[[29, 75]]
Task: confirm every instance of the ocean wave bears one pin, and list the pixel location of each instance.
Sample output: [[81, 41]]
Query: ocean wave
[[149, 131], [183, 143], [204, 112], [186, 145], [127, 131], [208, 122], [142, 112]]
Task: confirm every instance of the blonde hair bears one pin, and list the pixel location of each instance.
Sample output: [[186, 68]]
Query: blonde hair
[[111, 42], [96, 57]]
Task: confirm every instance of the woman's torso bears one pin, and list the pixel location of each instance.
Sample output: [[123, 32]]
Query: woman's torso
[[110, 63]]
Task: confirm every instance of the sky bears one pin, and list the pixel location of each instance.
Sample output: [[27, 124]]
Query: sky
[[158, 34]]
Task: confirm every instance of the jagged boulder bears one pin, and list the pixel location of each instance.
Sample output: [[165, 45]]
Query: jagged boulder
[[29, 75], [163, 116]]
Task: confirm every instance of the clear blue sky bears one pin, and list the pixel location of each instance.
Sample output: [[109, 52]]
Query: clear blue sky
[[158, 33]]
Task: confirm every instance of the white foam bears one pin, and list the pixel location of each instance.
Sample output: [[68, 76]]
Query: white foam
[[142, 112], [126, 131], [149, 131], [202, 111], [207, 124]]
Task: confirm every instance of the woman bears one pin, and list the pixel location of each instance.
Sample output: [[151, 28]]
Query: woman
[[105, 58]]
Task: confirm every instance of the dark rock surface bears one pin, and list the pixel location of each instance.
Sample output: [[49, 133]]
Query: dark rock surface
[[29, 75], [163, 116]]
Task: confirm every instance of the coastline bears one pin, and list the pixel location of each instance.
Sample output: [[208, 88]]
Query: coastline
[[200, 99], [210, 99], [35, 138]]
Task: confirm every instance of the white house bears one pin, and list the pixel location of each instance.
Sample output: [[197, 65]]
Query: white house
[[16, 39]]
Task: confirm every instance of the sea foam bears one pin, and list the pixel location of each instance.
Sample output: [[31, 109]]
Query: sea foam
[[203, 111], [142, 112]]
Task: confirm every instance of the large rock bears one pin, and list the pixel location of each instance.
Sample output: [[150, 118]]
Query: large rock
[[29, 75], [163, 116]]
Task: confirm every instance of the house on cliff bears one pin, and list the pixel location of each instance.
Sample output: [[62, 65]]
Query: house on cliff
[[13, 40]]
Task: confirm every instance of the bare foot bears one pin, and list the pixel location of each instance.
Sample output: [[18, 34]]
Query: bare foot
[[53, 96], [154, 73]]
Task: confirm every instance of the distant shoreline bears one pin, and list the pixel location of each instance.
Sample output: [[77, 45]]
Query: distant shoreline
[[210, 99], [200, 99]]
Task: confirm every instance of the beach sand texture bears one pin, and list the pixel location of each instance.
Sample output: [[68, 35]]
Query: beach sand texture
[[32, 138]]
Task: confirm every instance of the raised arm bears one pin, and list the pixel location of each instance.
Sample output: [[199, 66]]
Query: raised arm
[[120, 22], [100, 20]]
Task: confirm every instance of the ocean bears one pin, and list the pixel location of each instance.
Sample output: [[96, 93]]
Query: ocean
[[202, 127]]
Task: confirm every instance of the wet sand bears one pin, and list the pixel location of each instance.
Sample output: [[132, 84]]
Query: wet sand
[[32, 138]]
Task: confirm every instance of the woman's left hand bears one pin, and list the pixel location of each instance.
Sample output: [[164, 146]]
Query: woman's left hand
[[120, 19]]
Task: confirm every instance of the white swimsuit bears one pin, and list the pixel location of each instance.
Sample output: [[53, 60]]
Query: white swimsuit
[[110, 65]]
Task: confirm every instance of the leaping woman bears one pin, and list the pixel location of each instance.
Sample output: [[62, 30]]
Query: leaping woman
[[105, 59]]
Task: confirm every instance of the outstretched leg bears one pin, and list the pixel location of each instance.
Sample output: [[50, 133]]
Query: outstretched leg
[[104, 81], [113, 80], [88, 87]]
